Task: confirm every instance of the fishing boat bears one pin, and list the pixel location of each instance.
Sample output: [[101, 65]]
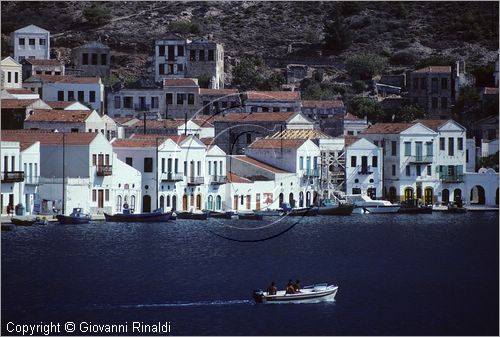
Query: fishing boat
[[222, 215], [414, 206], [328, 207], [76, 217], [127, 216], [250, 216], [23, 221], [191, 216], [364, 204], [303, 211], [310, 294]]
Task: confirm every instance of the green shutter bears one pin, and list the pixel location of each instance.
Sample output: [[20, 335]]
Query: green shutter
[[460, 169]]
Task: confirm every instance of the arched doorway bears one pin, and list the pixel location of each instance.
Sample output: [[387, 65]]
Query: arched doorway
[[281, 199], [198, 201], [174, 203], [392, 194], [372, 192], [119, 203], [408, 193], [428, 196], [291, 200], [418, 192], [218, 201], [445, 196], [301, 199], [477, 195], [308, 199], [162, 202], [184, 202], [146, 204], [457, 194], [315, 198], [210, 203]]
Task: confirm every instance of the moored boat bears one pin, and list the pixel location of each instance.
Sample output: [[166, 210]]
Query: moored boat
[[250, 216], [191, 216], [414, 206], [222, 215], [126, 216], [310, 294], [305, 211], [456, 208], [23, 221], [328, 207], [364, 204], [76, 217]]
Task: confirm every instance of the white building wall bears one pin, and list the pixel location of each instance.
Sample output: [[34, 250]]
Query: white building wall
[[365, 178], [30, 163], [50, 93], [28, 50], [11, 74], [10, 191]]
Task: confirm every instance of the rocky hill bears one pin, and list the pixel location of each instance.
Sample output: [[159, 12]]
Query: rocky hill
[[281, 32]]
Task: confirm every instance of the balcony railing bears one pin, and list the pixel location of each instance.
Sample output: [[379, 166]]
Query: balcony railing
[[12, 177], [311, 173], [420, 159], [218, 180], [28, 180], [142, 107], [365, 170], [195, 180], [452, 178], [104, 170], [169, 177]]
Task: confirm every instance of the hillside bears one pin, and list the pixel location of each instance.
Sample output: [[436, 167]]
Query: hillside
[[281, 32]]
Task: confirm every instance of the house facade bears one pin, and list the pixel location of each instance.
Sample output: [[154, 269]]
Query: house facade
[[11, 73], [12, 176], [32, 67], [92, 59], [31, 42], [272, 101]]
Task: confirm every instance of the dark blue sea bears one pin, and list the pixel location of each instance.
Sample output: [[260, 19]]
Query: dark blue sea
[[432, 274]]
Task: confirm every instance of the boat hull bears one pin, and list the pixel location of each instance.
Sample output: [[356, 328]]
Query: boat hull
[[416, 210], [377, 209], [336, 210], [23, 222], [191, 216], [71, 220], [141, 217], [253, 216], [311, 211], [221, 215], [311, 295]]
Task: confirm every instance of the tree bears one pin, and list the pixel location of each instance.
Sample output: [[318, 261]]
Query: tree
[[365, 66], [252, 73], [337, 35], [467, 94], [96, 14], [366, 107], [409, 113]]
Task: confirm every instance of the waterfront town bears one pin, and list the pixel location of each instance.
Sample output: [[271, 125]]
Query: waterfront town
[[187, 141]]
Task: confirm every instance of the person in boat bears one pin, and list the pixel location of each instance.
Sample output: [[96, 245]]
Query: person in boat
[[290, 287], [296, 286], [272, 290]]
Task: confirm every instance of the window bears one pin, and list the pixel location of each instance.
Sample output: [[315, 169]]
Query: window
[[375, 142], [161, 50], [375, 161], [220, 167], [32, 42], [249, 138], [16, 77], [444, 83], [180, 68], [71, 95], [418, 170], [253, 109], [161, 69], [423, 83], [407, 148], [154, 102], [192, 55], [428, 150], [353, 161], [198, 168], [21, 41], [180, 50], [209, 168], [460, 144], [434, 102], [393, 169], [201, 55], [171, 53], [94, 160], [451, 147], [444, 103], [117, 102], [9, 77], [393, 148], [350, 133], [176, 165], [276, 109], [104, 59], [127, 102], [81, 96], [91, 96], [441, 143], [301, 163], [60, 95], [94, 59], [434, 85], [94, 195], [169, 98], [106, 195], [148, 164], [408, 171], [85, 58], [42, 42], [180, 99], [190, 99], [429, 170], [210, 54]]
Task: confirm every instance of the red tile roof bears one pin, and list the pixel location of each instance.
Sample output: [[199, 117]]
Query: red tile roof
[[487, 91], [349, 140], [179, 82], [59, 116], [260, 164], [433, 124], [16, 103], [20, 91], [254, 117], [207, 140], [434, 69], [176, 138], [268, 143], [352, 117], [53, 138], [323, 104], [24, 139], [135, 142], [217, 92], [161, 124], [67, 79], [60, 104], [234, 178], [39, 62], [392, 128], [273, 95]]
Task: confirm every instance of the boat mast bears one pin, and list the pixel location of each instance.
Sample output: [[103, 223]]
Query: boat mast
[[157, 172]]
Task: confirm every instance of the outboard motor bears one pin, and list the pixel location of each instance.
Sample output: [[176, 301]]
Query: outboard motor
[[258, 295]]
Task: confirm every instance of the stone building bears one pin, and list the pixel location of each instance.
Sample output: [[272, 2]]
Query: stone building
[[31, 42], [214, 101], [272, 101], [33, 67], [92, 59]]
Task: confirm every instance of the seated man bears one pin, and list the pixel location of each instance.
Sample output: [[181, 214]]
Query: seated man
[[272, 290], [296, 286], [290, 288]]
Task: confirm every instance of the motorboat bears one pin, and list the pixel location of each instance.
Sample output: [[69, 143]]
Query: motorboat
[[222, 215], [76, 217], [454, 207], [191, 216], [365, 204], [310, 294], [328, 207], [127, 216], [28, 221], [414, 206], [300, 211], [250, 216]]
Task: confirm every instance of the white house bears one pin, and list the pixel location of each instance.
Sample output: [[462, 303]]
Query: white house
[[65, 121], [19, 93], [31, 42], [11, 73], [134, 102], [12, 175]]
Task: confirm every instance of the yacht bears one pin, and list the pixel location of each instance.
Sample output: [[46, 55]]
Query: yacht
[[365, 204]]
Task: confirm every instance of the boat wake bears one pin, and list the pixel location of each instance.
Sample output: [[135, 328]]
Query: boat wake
[[189, 304]]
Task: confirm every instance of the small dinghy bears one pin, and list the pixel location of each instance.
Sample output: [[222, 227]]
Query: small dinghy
[[310, 294], [76, 217]]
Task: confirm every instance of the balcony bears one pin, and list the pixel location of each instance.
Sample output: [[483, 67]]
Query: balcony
[[420, 159], [452, 178], [13, 177], [104, 170], [171, 177], [142, 107], [195, 180], [365, 170], [311, 173], [218, 180], [35, 181]]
